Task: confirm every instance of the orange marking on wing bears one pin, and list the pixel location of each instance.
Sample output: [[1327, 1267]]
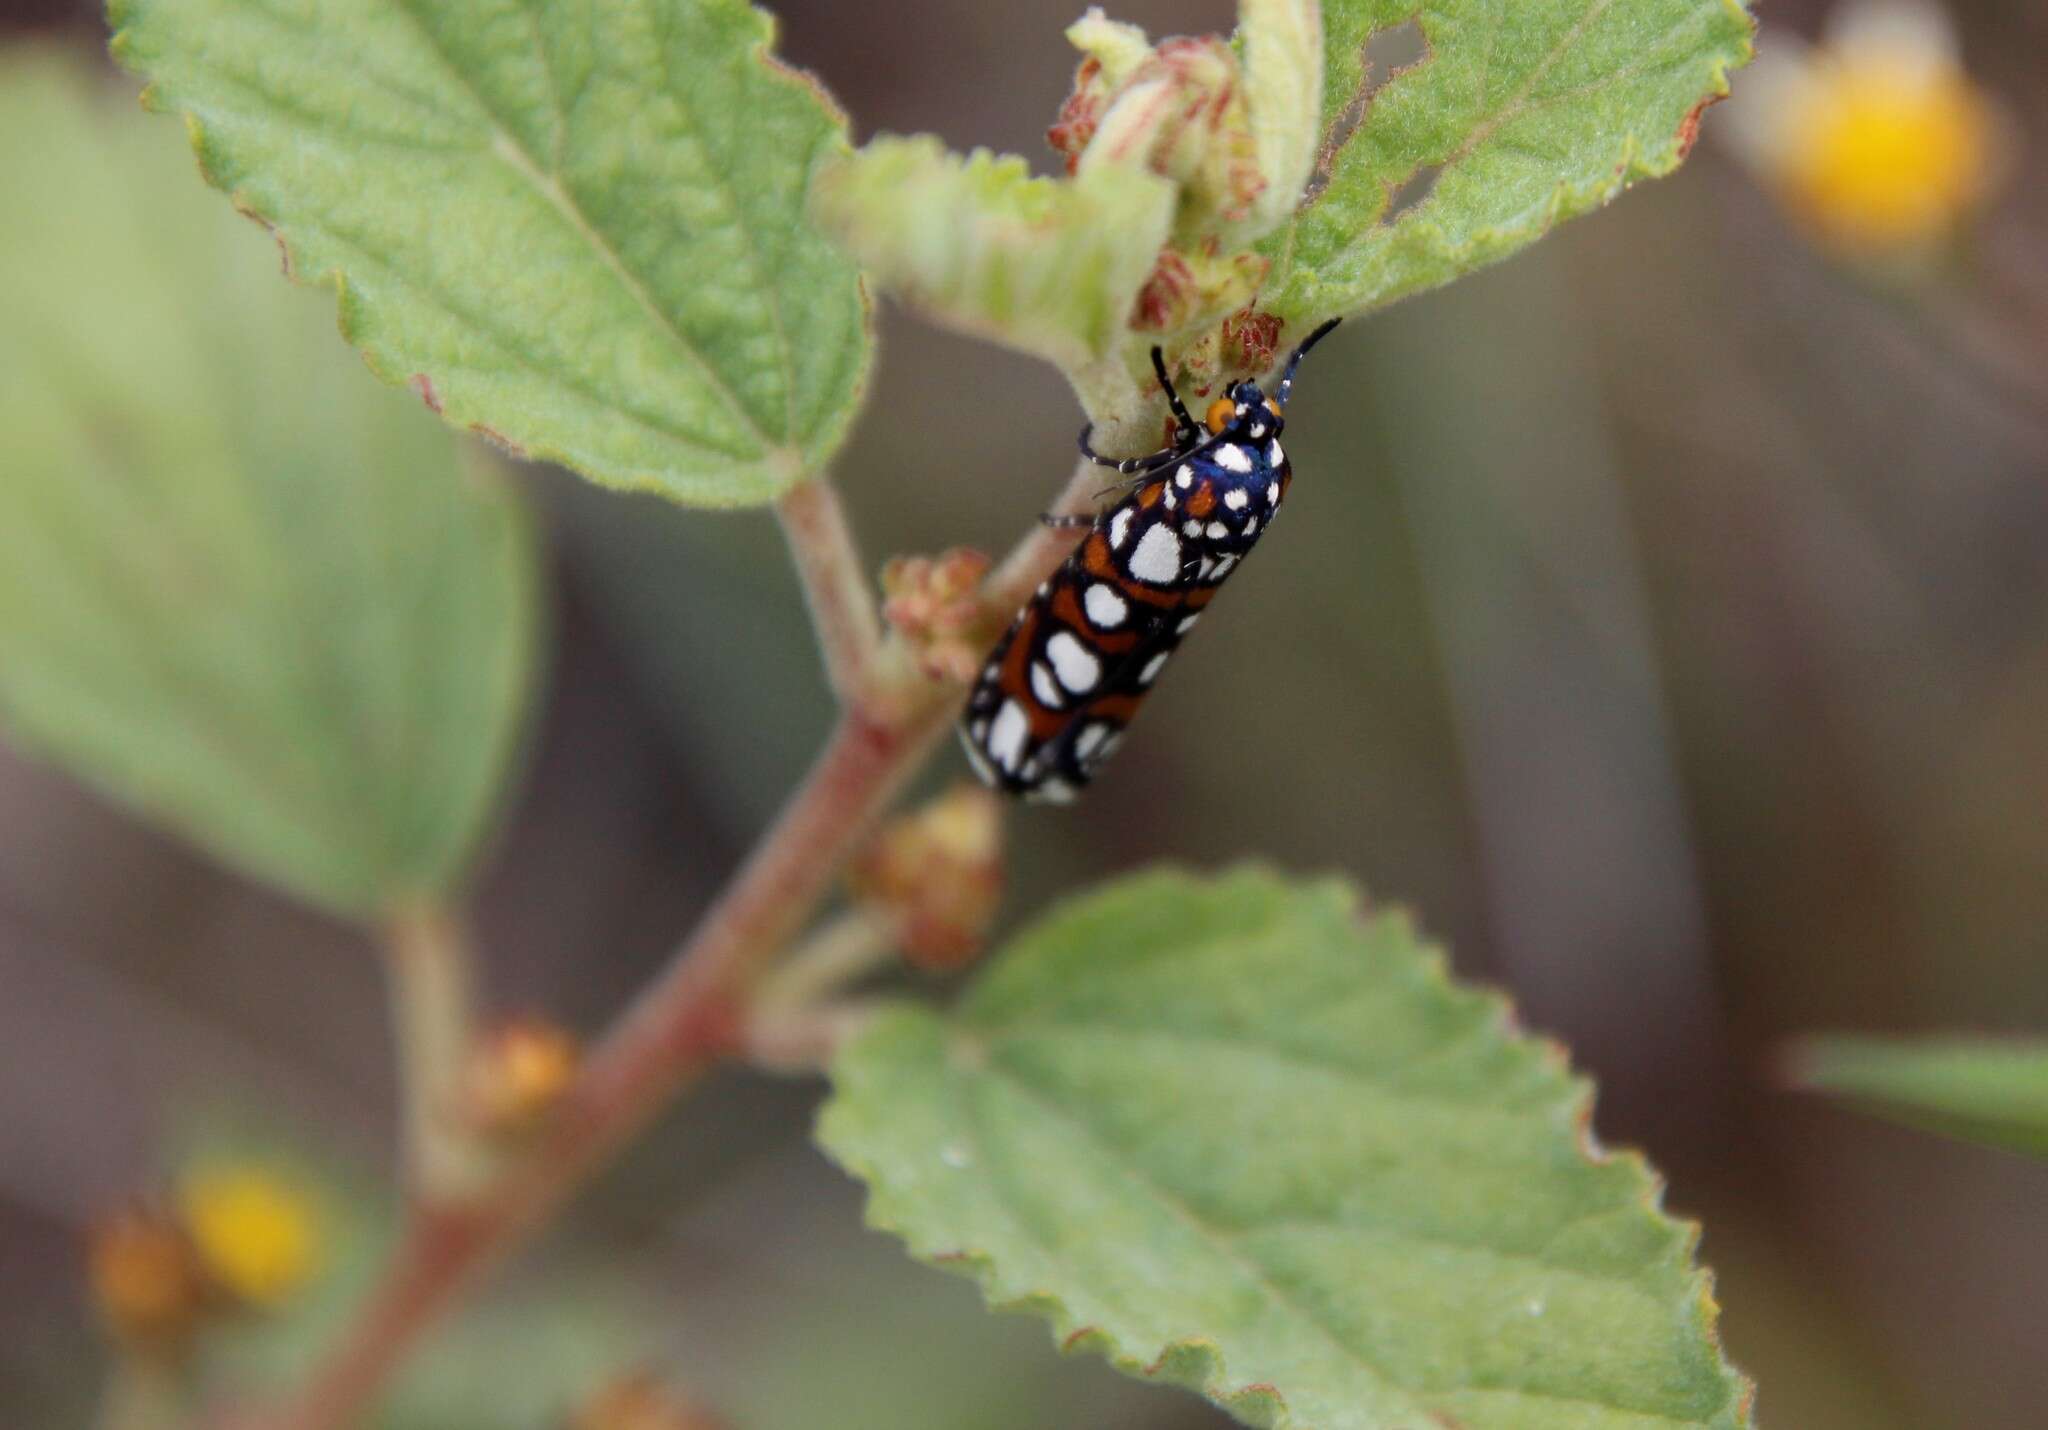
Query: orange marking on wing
[[1150, 495], [1119, 708], [1137, 591], [1203, 501], [1095, 556], [1200, 596]]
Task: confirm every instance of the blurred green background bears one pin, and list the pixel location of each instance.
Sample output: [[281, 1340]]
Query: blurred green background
[[1663, 616]]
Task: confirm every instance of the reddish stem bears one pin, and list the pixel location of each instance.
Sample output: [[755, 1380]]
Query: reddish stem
[[689, 1018]]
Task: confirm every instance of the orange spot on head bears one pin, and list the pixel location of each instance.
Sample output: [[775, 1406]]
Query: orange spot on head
[[1220, 413]]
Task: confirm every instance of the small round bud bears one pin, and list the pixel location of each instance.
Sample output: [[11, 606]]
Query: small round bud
[[937, 874], [148, 1283], [517, 1075]]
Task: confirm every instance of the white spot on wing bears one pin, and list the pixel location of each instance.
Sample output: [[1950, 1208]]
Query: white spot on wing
[[1006, 735], [1090, 737], [1274, 454], [1152, 667], [1104, 606], [1223, 565], [1187, 623], [1218, 531], [1185, 477], [1237, 498], [1191, 528], [1074, 663], [1232, 457], [1055, 791], [1273, 494], [1119, 528], [1157, 558], [1043, 686], [1251, 526]]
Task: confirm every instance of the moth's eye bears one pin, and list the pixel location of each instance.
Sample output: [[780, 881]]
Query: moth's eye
[[1220, 413]]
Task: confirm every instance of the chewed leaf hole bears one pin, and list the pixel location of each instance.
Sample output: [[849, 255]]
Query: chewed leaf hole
[[1413, 192], [1392, 50], [1386, 53]]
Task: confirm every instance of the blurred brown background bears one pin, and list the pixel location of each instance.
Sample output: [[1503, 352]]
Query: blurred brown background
[[1664, 617]]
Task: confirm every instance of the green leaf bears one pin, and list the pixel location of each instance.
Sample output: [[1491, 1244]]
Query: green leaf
[[1047, 266], [1235, 1137], [1283, 76], [578, 225], [1978, 1089], [1527, 113], [241, 589]]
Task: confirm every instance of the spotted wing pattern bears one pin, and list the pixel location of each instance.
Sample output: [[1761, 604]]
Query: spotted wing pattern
[[1068, 677]]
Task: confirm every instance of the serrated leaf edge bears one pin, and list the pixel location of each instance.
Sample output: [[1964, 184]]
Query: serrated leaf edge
[[1296, 297], [1196, 1363], [785, 465]]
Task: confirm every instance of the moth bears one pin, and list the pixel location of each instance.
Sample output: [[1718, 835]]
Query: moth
[[1067, 678]]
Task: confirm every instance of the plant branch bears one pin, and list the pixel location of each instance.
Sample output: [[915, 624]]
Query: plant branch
[[845, 949], [694, 1012], [1010, 585], [428, 973], [801, 1041], [835, 584]]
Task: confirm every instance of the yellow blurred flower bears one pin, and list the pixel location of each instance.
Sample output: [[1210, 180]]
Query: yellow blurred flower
[[1876, 140], [147, 1281], [257, 1231]]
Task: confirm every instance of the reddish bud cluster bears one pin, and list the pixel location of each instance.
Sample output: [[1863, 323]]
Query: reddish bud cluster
[[937, 874], [934, 603], [1080, 114], [1250, 340]]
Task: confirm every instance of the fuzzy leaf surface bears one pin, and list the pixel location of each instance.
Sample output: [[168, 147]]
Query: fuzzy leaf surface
[[1235, 1137], [1047, 266], [1528, 113], [577, 224], [241, 589], [1983, 1090]]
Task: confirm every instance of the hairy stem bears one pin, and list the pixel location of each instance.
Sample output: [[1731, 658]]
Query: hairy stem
[[845, 949], [1012, 582], [694, 1012], [427, 959], [835, 584]]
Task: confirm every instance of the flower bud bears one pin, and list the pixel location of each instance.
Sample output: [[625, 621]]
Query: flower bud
[[516, 1076], [148, 1283], [937, 874], [935, 604]]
